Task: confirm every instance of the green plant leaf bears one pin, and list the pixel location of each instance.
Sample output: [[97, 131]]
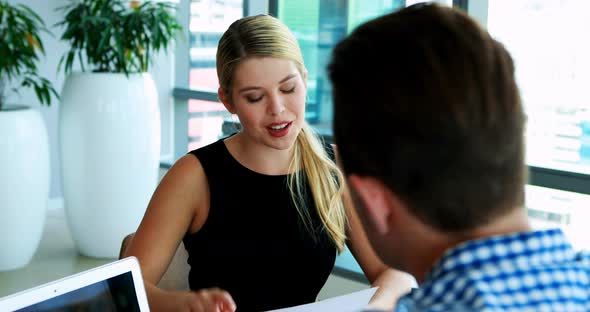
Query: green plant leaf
[[20, 29], [114, 37]]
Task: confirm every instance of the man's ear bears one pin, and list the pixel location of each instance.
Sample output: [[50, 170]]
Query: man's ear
[[375, 199], [225, 100]]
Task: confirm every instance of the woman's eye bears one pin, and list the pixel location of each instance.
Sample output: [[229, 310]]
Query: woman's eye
[[253, 99], [289, 90]]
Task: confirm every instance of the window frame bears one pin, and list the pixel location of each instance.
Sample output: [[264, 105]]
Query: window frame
[[182, 93], [538, 176]]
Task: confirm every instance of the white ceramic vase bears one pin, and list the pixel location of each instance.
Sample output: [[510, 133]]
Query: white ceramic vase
[[24, 185], [110, 150]]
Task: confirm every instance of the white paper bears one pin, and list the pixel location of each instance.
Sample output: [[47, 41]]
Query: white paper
[[352, 302]]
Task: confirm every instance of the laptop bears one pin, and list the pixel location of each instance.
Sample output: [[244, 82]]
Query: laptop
[[117, 286]]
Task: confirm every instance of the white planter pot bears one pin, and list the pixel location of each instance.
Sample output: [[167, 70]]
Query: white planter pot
[[110, 150], [24, 185]]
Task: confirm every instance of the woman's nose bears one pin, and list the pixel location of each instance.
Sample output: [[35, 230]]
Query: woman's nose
[[276, 105]]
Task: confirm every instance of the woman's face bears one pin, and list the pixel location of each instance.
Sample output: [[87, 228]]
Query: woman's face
[[268, 95]]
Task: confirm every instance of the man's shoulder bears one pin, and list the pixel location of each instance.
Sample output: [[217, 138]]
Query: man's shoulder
[[409, 306]]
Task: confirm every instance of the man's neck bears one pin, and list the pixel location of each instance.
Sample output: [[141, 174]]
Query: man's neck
[[515, 221], [435, 243]]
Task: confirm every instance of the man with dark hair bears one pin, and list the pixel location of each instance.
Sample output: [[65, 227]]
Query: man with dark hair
[[429, 126]]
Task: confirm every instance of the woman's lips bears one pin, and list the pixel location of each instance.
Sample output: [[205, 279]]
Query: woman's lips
[[279, 129]]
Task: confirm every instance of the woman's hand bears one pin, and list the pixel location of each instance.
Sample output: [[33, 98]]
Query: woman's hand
[[207, 300]]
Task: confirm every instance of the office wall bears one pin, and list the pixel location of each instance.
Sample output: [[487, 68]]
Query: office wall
[[163, 72]]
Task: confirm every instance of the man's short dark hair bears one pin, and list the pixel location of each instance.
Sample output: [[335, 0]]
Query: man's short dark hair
[[426, 101]]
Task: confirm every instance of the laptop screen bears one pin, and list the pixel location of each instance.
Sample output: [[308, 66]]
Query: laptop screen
[[114, 294], [116, 286]]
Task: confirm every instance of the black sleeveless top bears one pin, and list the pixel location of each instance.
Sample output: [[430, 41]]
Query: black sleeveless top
[[253, 243]]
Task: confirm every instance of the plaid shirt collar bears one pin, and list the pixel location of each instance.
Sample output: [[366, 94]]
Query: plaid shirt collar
[[524, 250]]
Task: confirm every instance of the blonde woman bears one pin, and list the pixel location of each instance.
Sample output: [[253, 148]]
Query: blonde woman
[[262, 213]]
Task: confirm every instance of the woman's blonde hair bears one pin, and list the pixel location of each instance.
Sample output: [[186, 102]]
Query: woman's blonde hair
[[266, 36]]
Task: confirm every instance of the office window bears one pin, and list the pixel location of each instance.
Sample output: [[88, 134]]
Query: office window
[[318, 26], [209, 19], [545, 37], [550, 208], [548, 41], [205, 122]]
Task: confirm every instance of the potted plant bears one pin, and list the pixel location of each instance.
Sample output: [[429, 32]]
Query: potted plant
[[24, 144], [109, 118]]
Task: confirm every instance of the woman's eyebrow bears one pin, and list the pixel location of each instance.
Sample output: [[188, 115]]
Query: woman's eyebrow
[[287, 78], [248, 89]]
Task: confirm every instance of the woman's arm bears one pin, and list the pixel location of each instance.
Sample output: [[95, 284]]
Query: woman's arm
[[392, 284], [179, 204]]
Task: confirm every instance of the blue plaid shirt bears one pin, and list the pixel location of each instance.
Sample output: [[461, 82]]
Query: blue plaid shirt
[[531, 271]]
